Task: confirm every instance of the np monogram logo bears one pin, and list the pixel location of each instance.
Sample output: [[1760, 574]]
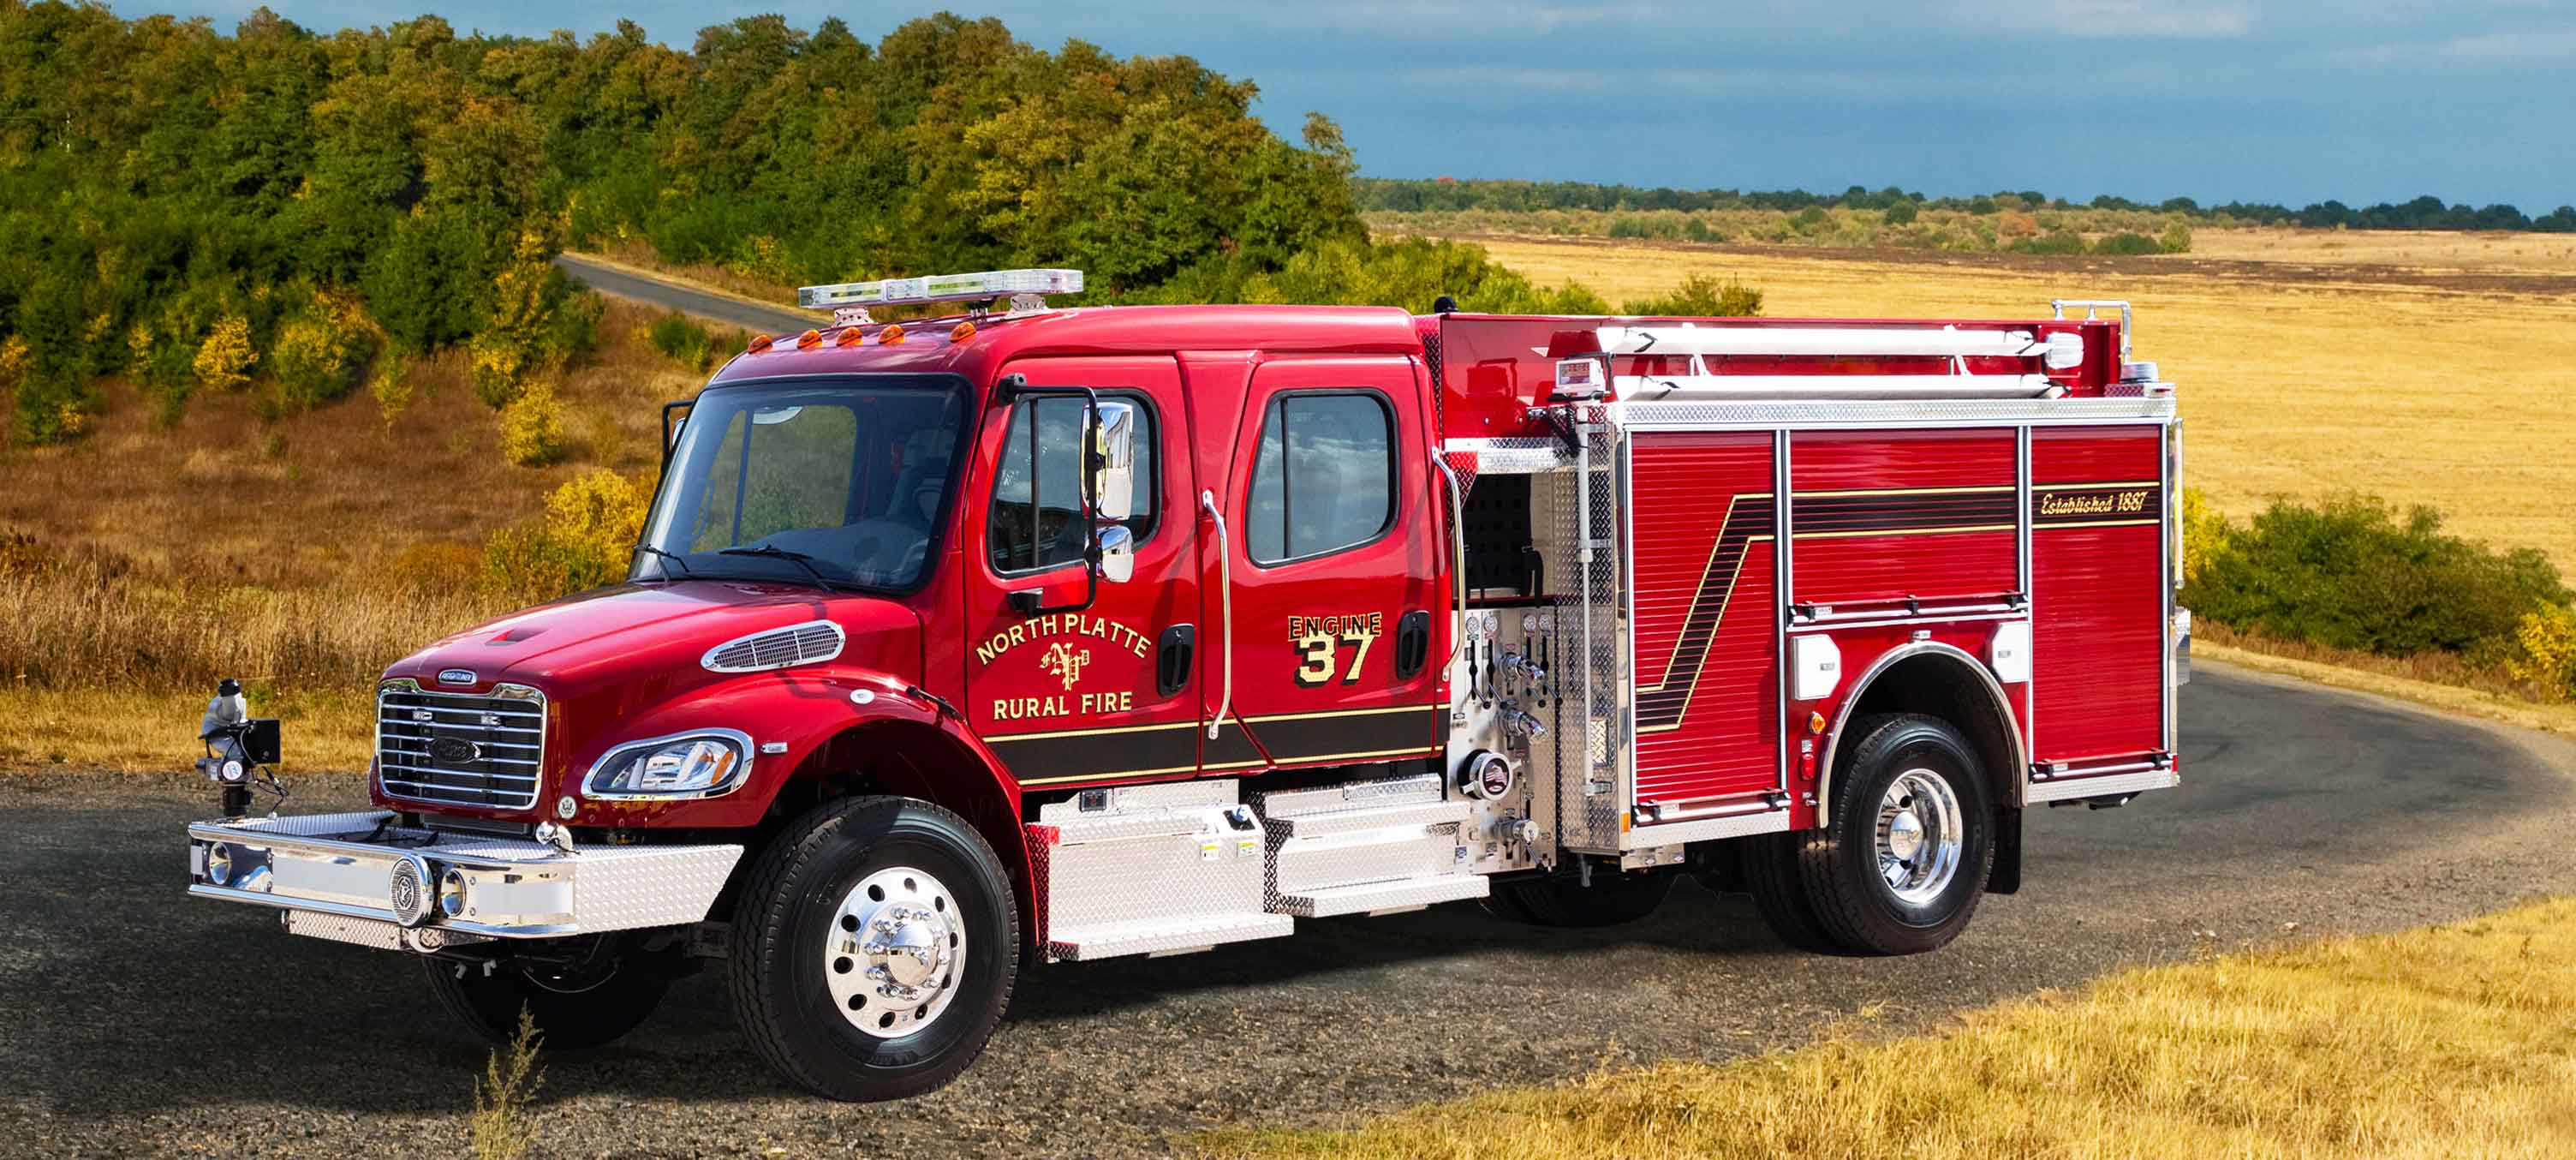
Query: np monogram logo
[[455, 676], [1065, 661]]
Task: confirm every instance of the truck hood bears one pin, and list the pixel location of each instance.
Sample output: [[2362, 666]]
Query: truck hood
[[654, 634]]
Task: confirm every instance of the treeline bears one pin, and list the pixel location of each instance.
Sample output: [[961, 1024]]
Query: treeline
[[1443, 194], [284, 212]]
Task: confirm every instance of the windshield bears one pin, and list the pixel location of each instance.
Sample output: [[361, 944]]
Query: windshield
[[839, 480]]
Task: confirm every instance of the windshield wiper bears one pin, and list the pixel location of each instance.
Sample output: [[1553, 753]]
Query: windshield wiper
[[660, 554], [791, 555]]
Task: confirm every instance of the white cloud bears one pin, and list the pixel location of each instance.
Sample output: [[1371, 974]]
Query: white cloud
[[2102, 19]]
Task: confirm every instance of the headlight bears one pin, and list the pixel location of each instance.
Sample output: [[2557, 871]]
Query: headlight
[[690, 765]]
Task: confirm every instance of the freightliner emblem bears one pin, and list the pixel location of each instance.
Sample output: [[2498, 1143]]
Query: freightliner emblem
[[455, 676], [455, 750]]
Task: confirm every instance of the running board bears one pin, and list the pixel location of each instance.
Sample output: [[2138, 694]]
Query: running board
[[1169, 936]]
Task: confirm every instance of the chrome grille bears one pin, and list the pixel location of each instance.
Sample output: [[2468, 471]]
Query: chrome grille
[[776, 648], [460, 749]]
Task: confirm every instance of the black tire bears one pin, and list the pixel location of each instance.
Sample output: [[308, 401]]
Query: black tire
[[1611, 900], [1854, 904], [574, 1009], [790, 911], [1779, 896]]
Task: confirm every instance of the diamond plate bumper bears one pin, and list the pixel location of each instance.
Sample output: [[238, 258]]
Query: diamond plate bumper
[[361, 867]]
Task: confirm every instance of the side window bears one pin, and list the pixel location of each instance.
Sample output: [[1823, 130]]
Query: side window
[[1036, 518], [1323, 478]]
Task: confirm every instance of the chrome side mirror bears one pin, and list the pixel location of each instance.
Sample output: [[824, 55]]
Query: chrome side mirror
[[1117, 554], [1113, 462]]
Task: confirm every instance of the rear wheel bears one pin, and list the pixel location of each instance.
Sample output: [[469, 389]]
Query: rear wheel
[[874, 949], [1612, 899], [1779, 896], [575, 1006], [1902, 861]]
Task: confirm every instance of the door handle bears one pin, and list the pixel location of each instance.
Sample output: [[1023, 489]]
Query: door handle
[[1225, 617], [1412, 643], [1172, 655]]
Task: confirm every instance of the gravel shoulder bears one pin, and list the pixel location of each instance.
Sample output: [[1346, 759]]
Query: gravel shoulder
[[143, 1022]]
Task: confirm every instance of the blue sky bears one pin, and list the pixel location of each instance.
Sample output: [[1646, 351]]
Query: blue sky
[[2260, 100]]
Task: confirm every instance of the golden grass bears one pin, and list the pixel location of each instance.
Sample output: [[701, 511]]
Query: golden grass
[[2410, 249], [316, 499], [2451, 1041], [2299, 385], [136, 731]]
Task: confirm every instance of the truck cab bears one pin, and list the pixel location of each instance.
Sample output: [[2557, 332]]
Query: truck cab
[[1036, 635]]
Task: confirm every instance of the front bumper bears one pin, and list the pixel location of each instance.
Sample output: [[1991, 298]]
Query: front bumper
[[365, 878]]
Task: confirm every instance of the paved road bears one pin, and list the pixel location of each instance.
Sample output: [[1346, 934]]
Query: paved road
[[728, 310], [140, 1021]]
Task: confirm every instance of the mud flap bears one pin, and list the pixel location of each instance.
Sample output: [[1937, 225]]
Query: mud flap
[[2005, 878]]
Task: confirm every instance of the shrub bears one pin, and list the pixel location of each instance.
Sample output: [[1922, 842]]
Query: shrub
[[1900, 214], [312, 360], [392, 388], [1702, 296], [2127, 244], [586, 539], [2545, 650], [681, 340], [2176, 239], [532, 428], [2204, 534], [2056, 242], [224, 360], [2355, 574]]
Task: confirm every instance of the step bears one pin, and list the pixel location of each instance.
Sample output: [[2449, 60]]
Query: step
[[1376, 897], [1367, 818], [1164, 936]]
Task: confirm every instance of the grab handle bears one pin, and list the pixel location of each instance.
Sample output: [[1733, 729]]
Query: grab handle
[[1225, 617]]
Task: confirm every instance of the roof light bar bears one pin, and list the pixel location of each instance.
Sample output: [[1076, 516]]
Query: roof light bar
[[940, 288]]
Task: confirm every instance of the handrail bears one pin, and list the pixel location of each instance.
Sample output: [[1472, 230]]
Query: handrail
[[1225, 597], [1458, 554]]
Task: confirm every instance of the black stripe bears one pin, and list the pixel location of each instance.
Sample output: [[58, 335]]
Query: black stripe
[[1119, 752], [1919, 512], [1309, 738], [1745, 518], [1176, 748]]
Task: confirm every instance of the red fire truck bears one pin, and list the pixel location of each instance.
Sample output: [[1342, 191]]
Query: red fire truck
[[1028, 635]]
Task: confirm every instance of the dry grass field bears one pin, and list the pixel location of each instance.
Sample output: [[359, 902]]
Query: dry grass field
[[301, 554], [2423, 368], [2442, 1042]]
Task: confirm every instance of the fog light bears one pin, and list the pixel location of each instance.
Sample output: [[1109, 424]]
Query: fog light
[[451, 893], [219, 864]]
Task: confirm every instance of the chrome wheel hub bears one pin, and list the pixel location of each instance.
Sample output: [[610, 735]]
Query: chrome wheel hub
[[1919, 832], [891, 956]]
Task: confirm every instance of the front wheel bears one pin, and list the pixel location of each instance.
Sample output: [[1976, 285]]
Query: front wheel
[[874, 949], [1903, 858]]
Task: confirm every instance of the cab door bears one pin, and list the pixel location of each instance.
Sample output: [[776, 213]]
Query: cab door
[[1073, 684], [1331, 546]]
